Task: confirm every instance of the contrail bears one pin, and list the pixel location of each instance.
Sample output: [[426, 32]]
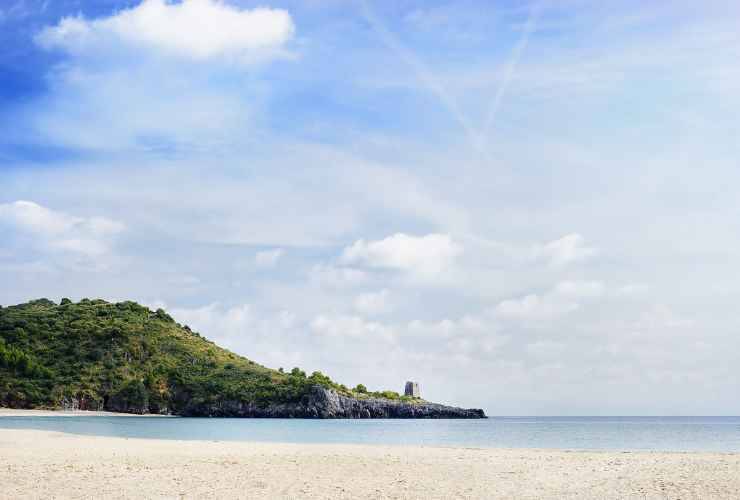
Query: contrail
[[422, 72], [516, 54]]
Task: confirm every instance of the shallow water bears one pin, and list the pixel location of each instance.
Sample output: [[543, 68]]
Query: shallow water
[[594, 433]]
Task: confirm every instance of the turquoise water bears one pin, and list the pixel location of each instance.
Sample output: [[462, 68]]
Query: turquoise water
[[593, 433]]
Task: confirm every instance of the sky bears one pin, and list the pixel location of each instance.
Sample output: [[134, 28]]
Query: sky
[[525, 206]]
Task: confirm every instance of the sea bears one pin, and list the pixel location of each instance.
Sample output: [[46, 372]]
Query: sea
[[717, 434]]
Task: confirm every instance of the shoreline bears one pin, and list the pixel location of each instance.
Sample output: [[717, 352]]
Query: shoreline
[[398, 447], [144, 440], [37, 463], [11, 412]]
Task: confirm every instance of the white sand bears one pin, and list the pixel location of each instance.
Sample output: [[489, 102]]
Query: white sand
[[42, 464]]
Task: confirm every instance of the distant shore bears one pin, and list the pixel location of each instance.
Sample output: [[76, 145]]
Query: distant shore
[[43, 464], [10, 412]]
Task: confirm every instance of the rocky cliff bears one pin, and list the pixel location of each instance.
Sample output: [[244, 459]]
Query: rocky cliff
[[321, 402]]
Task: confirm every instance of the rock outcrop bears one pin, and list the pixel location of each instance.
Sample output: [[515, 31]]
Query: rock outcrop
[[321, 402]]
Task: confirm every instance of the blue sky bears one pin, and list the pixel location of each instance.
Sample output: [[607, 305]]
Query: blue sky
[[527, 206]]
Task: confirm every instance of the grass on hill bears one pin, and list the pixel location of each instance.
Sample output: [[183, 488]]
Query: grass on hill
[[126, 357]]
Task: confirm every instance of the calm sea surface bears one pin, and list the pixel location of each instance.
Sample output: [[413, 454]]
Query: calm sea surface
[[594, 433]]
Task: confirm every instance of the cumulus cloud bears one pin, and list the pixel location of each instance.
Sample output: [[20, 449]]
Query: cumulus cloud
[[424, 255], [566, 250], [196, 29], [416, 341], [446, 327], [214, 319], [533, 307], [328, 276], [563, 298], [159, 77], [351, 326], [345, 341], [35, 218], [59, 231], [269, 337], [468, 337]]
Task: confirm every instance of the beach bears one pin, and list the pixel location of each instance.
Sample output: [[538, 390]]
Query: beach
[[44, 464]]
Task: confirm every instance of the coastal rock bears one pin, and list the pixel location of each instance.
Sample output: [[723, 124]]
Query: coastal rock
[[321, 402]]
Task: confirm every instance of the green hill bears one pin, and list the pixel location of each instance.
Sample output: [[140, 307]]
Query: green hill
[[125, 357]]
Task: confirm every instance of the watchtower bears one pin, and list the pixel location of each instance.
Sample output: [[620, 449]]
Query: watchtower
[[412, 389]]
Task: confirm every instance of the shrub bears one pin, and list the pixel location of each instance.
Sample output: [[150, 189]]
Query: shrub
[[388, 394]]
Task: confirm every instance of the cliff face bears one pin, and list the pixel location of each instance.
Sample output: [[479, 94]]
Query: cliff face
[[321, 402]]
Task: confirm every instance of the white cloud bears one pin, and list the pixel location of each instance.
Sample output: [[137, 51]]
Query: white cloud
[[351, 326], [159, 77], [582, 289], [214, 320], [373, 303], [268, 258], [533, 307], [58, 231], [563, 298], [662, 317], [197, 29], [466, 338], [632, 289], [545, 349], [328, 276], [563, 251], [233, 324], [37, 219], [272, 338], [448, 328], [416, 341], [424, 255]]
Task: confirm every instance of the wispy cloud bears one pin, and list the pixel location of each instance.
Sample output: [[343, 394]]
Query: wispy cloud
[[422, 72], [511, 65]]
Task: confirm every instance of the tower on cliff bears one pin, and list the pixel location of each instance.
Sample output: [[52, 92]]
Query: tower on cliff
[[412, 389]]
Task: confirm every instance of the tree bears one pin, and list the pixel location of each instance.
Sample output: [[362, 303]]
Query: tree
[[161, 314], [361, 389], [131, 397]]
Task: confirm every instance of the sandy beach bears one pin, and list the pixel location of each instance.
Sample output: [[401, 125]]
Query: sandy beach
[[42, 464]]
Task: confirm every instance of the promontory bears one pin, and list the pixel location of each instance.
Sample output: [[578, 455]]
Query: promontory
[[124, 357]]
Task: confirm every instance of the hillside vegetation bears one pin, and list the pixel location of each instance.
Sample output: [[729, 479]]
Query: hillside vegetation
[[125, 357]]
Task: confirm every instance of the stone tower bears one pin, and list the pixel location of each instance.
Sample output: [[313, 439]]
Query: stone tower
[[412, 389]]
